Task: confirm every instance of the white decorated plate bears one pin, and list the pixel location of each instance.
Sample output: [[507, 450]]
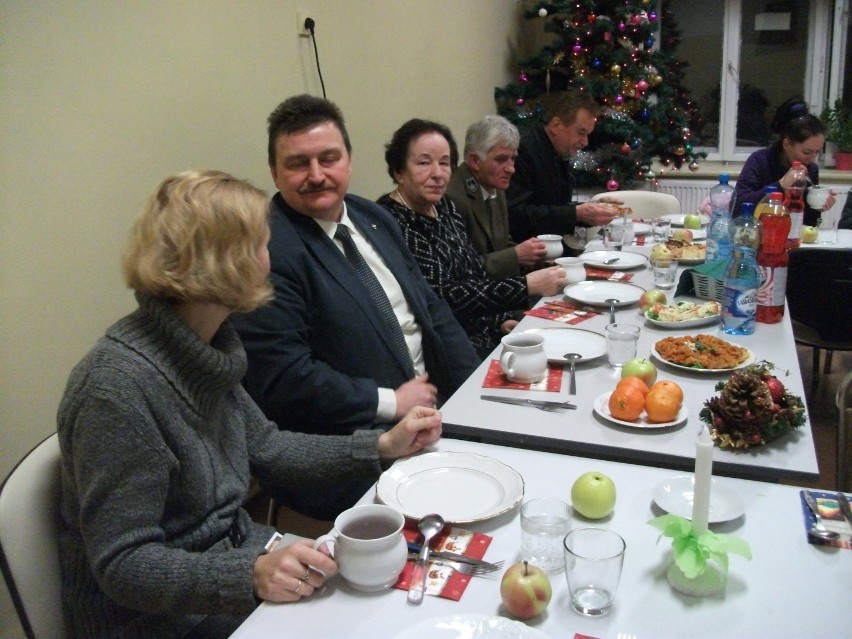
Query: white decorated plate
[[696, 321], [558, 341], [749, 360], [470, 626], [602, 408], [461, 487], [626, 260], [639, 228], [675, 496], [597, 292], [677, 219]]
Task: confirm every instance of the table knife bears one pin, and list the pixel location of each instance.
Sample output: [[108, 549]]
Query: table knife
[[535, 403], [844, 507], [451, 556]]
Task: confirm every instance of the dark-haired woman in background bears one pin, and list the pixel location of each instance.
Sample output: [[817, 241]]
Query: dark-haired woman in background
[[801, 137]]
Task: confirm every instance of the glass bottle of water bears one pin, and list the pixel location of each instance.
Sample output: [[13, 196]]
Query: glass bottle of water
[[718, 233], [742, 276]]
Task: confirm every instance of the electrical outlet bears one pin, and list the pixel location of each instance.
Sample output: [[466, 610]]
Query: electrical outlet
[[301, 30]]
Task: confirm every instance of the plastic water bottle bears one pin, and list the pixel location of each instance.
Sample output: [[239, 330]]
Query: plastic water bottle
[[742, 277], [794, 201], [763, 205], [772, 261], [718, 233]]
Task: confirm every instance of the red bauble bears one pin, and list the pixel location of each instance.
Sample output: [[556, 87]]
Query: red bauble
[[625, 149], [612, 185], [776, 389]]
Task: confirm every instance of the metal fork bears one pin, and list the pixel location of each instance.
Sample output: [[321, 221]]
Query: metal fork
[[472, 569]]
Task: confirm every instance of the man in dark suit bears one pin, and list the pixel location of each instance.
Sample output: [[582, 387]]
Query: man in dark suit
[[323, 356], [477, 187]]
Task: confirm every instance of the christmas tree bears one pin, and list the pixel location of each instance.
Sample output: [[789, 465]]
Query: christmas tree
[[622, 53]]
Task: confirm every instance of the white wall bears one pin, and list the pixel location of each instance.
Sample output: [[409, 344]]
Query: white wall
[[101, 100]]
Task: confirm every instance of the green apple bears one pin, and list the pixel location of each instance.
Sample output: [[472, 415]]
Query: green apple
[[809, 234], [649, 298], [692, 221], [525, 590], [593, 495], [642, 368], [660, 251], [683, 235]]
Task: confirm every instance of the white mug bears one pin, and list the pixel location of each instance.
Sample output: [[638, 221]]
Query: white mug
[[552, 244], [523, 359], [574, 270], [368, 546]]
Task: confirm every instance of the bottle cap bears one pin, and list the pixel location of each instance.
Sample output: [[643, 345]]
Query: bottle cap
[[747, 209]]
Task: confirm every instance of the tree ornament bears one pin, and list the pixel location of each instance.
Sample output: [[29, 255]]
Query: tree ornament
[[619, 99], [622, 26], [679, 150], [652, 16], [644, 114], [649, 43], [642, 85], [542, 13], [577, 48], [635, 144], [523, 77], [625, 149], [520, 102], [612, 184], [597, 63], [693, 166], [615, 69], [688, 148]]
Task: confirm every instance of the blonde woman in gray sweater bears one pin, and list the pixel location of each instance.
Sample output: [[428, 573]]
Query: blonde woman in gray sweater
[[159, 439]]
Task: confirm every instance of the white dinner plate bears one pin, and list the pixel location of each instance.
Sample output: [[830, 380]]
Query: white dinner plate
[[461, 487], [677, 219], [696, 321], [698, 234], [749, 360], [597, 292], [639, 228], [674, 495], [626, 260], [643, 423], [558, 341], [470, 626]]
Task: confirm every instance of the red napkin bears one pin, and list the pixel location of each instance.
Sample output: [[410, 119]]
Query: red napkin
[[603, 274], [495, 378], [442, 580], [565, 312]]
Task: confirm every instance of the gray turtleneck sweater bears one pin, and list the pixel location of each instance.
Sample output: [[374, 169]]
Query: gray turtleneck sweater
[[159, 441]]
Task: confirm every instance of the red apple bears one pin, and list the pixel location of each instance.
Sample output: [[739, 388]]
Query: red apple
[[642, 368], [649, 298], [683, 235], [593, 495], [525, 590], [776, 389]]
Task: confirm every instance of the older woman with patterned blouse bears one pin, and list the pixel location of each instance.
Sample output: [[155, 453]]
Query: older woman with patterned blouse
[[420, 159]]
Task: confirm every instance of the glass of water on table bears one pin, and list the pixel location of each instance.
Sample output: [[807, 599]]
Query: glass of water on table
[[544, 523]]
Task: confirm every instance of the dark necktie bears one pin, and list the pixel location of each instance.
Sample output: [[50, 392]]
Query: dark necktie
[[376, 292]]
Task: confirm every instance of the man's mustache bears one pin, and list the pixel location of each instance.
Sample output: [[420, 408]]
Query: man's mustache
[[315, 189]]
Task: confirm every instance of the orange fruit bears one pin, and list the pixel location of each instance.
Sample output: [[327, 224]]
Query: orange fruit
[[626, 403], [634, 382], [671, 387], [662, 405]]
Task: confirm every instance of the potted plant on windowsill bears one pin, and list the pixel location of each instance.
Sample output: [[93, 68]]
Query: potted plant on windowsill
[[838, 130]]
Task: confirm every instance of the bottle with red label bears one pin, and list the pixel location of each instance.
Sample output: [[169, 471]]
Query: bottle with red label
[[772, 261], [794, 201]]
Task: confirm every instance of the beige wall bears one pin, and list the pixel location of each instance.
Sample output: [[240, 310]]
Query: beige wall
[[100, 100]]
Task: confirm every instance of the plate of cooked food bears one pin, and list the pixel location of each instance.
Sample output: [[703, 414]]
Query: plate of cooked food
[[686, 252], [702, 354], [684, 314]]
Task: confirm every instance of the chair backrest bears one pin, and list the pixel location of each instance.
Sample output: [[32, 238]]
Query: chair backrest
[[645, 204], [29, 541], [844, 434], [819, 291]]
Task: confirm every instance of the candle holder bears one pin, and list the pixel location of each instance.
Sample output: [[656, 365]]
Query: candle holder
[[700, 566]]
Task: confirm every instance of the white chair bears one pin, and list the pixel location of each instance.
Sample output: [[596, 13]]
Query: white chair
[[29, 548], [645, 204]]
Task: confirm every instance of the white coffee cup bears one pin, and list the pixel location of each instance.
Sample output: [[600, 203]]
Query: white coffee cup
[[523, 359], [574, 269], [553, 245], [817, 197], [368, 546]]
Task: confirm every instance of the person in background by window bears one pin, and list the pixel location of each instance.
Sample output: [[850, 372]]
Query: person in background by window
[[801, 137]]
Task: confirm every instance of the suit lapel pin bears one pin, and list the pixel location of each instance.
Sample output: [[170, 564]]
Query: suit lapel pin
[[375, 228], [471, 185]]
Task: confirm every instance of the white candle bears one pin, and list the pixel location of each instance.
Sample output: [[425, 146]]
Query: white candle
[[703, 478]]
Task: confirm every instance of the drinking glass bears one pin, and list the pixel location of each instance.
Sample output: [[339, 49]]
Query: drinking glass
[[544, 522], [665, 271], [827, 229], [593, 560], [614, 236], [661, 227], [621, 342]]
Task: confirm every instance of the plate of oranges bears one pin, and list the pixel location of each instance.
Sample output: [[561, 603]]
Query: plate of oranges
[[632, 403]]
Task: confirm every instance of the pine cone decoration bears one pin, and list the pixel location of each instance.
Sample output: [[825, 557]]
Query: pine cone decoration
[[745, 414]]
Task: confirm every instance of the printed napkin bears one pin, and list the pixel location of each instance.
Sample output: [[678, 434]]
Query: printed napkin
[[604, 274], [832, 519], [442, 580], [496, 378], [565, 312]]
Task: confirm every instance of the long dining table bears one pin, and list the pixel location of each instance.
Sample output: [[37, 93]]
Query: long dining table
[[586, 432], [789, 588]]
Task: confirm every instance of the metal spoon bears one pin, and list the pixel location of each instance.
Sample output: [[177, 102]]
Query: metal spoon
[[611, 260], [818, 530], [572, 358], [612, 302], [429, 526]]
